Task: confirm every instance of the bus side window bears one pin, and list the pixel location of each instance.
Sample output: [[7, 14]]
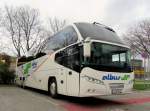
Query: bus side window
[[73, 58], [59, 57], [62, 39], [69, 57]]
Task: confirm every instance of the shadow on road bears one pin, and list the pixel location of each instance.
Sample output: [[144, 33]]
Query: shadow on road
[[82, 101], [89, 101], [36, 90]]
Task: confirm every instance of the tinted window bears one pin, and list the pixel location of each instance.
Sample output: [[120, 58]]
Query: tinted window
[[97, 32], [63, 38], [111, 58], [24, 59], [69, 57]]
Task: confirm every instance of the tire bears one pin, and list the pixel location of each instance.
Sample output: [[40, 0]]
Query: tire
[[52, 88]]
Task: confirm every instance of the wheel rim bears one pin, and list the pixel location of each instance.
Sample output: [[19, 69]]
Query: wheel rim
[[53, 88]]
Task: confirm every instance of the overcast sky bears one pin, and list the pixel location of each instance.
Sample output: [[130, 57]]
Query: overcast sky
[[119, 14]]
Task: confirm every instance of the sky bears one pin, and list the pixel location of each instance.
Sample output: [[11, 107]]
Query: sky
[[118, 14]]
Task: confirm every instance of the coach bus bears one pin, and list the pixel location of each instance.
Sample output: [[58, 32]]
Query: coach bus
[[83, 59]]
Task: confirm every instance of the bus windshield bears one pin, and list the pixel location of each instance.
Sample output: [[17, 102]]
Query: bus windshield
[[111, 58], [97, 32]]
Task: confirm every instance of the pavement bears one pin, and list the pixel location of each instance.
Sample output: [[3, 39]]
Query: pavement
[[14, 98], [18, 99]]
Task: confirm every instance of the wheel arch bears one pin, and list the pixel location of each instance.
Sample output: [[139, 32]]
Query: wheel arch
[[50, 79]]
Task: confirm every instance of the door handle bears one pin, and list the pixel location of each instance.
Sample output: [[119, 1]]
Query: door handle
[[70, 73]]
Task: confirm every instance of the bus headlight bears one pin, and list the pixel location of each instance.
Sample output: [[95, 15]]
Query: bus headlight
[[93, 80]]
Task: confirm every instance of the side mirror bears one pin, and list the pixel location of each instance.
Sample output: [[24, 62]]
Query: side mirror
[[87, 48]]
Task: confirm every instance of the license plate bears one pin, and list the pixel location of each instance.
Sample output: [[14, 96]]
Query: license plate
[[116, 91]]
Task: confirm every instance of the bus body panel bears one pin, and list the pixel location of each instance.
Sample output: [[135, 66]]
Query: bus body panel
[[93, 82], [37, 77], [72, 83]]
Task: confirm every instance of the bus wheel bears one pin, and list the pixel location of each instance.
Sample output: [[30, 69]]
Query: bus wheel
[[53, 88]]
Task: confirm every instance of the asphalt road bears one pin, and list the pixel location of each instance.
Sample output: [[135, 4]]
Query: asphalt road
[[18, 99]]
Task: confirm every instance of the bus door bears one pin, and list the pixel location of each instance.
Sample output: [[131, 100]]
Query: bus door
[[69, 59], [72, 83], [72, 62]]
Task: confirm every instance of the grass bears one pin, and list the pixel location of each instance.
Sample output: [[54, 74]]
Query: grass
[[141, 84]]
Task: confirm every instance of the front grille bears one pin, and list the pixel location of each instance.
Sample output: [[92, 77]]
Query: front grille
[[116, 85]]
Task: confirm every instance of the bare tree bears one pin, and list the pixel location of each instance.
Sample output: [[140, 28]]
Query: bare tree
[[30, 25], [13, 27], [41, 41], [138, 37], [25, 28], [1, 44], [56, 24]]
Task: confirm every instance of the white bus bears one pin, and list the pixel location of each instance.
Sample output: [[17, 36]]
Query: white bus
[[83, 59]]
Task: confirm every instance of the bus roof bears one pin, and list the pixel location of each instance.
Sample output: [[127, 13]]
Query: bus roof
[[98, 32]]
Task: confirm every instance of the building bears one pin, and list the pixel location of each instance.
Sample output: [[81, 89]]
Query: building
[[138, 68], [9, 60]]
